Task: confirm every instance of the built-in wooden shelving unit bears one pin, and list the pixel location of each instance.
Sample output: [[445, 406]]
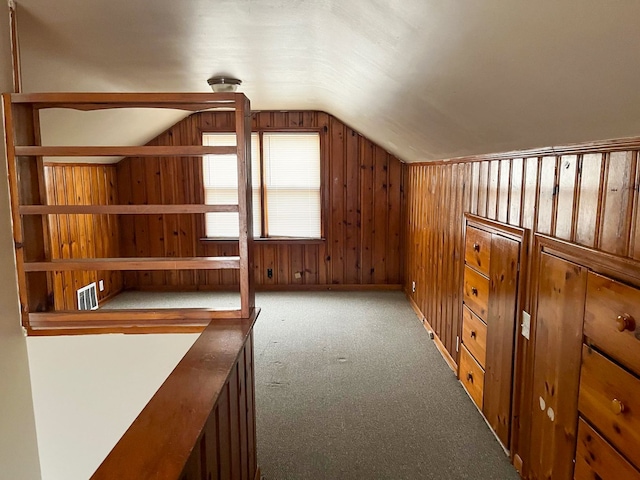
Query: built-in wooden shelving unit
[[31, 213]]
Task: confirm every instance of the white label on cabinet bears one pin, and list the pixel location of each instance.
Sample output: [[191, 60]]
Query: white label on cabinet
[[525, 326]]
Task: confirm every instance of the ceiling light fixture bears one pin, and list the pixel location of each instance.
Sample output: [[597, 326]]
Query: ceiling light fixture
[[223, 84]]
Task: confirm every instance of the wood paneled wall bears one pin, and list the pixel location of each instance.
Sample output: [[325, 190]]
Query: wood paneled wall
[[361, 190], [585, 198], [226, 448], [82, 236], [584, 194]]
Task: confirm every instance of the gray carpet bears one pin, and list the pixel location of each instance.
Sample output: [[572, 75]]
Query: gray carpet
[[138, 299], [349, 386]]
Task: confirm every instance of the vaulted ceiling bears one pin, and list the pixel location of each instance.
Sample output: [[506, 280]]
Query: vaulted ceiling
[[426, 79]]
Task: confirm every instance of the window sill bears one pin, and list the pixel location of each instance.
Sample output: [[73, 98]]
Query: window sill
[[269, 241]]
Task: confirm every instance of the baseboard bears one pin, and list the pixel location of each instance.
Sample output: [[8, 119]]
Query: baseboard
[[110, 297], [328, 287], [270, 288], [517, 463], [257, 475], [184, 288], [439, 345]]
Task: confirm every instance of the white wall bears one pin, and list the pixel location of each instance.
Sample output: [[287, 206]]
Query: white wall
[[18, 448], [88, 389]]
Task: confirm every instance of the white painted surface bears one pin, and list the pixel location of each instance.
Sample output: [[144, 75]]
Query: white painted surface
[[88, 389], [18, 447], [426, 79], [525, 326]]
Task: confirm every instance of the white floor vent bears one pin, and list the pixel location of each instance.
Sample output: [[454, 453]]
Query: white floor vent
[[88, 297]]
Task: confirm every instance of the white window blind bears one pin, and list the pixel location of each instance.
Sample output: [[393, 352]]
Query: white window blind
[[220, 178], [292, 184]]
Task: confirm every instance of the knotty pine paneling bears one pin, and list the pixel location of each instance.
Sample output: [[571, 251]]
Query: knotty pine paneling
[[587, 197], [82, 236], [361, 198]]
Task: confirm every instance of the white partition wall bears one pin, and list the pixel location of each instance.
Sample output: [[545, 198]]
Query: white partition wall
[[88, 389], [18, 448]]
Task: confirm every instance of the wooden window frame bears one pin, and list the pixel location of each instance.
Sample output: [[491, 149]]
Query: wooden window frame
[[263, 217]]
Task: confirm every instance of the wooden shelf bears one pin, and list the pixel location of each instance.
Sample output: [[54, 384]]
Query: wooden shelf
[[98, 101], [143, 151], [27, 185], [149, 263], [123, 209], [130, 315]]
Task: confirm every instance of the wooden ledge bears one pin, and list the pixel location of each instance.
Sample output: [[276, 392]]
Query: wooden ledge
[[160, 440], [139, 209], [98, 101], [268, 240], [173, 320], [143, 151], [134, 263]]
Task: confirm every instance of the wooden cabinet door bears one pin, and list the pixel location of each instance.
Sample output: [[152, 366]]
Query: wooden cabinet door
[[501, 318], [556, 367]]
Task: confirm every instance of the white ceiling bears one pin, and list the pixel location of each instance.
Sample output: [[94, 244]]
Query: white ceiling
[[426, 79]]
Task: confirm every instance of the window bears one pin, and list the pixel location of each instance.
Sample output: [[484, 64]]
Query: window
[[286, 176], [220, 179]]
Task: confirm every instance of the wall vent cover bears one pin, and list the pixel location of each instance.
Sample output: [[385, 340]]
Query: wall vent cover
[[88, 297]]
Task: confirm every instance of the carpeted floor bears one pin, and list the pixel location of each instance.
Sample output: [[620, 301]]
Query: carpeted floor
[[137, 299], [349, 386]]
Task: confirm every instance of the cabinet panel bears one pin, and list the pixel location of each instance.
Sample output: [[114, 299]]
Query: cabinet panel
[[476, 292], [596, 459], [474, 335], [471, 376], [612, 318], [477, 252], [610, 400], [558, 339], [501, 315]]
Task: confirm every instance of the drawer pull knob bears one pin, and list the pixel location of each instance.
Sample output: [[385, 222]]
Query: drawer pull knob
[[474, 291], [617, 406], [476, 247], [470, 377], [625, 322], [473, 334]]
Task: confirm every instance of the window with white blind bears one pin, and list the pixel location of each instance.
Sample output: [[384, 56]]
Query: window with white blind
[[220, 179], [286, 176]]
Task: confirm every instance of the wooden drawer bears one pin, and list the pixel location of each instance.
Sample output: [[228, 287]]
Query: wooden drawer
[[610, 399], [607, 300], [471, 376], [474, 335], [595, 458], [477, 251], [476, 292]]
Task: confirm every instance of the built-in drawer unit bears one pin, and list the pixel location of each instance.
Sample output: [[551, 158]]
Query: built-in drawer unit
[[476, 292], [612, 320], [586, 365], [477, 252], [474, 335], [596, 459], [490, 289], [472, 376], [610, 400]]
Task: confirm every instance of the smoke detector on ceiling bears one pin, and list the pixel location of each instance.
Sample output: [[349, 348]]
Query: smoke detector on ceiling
[[223, 84]]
